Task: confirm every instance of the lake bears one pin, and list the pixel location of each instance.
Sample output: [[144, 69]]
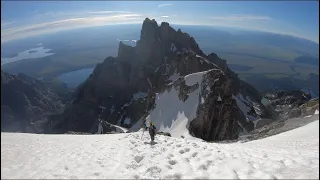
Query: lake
[[75, 78]]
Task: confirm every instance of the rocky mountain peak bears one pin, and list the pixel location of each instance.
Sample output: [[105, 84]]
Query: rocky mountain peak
[[159, 41], [126, 53], [149, 29], [126, 86], [164, 25]]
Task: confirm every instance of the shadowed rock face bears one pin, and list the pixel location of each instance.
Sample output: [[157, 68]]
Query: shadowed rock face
[[291, 103], [125, 86], [25, 103], [218, 116]]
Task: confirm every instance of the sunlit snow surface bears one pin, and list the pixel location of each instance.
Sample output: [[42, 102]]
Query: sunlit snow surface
[[292, 154]]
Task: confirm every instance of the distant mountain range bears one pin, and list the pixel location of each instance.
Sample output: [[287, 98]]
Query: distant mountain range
[[255, 56]]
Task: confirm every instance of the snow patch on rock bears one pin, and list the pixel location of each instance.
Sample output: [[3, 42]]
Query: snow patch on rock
[[244, 106], [172, 114], [139, 95], [174, 77], [194, 78], [127, 121], [173, 47]]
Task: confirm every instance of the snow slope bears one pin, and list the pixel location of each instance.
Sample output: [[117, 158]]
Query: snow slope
[[293, 154], [176, 117]]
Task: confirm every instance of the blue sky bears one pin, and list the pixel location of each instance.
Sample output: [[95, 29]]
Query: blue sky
[[20, 19]]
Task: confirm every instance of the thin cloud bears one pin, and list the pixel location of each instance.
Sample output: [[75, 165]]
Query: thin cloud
[[164, 5], [241, 18], [107, 12], [66, 24], [5, 23], [74, 14], [165, 16]]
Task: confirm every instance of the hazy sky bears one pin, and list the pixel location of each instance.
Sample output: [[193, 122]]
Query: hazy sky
[[24, 19]]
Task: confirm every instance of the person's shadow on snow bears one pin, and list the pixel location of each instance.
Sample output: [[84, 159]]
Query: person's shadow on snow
[[151, 143]]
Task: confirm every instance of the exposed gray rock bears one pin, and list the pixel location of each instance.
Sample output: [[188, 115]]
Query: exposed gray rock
[[263, 122], [286, 102]]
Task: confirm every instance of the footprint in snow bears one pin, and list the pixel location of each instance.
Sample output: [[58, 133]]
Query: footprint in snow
[[96, 174], [209, 162], [195, 145], [169, 144], [132, 166], [172, 162], [265, 156], [187, 149], [181, 151], [138, 159], [194, 154], [154, 170], [173, 176], [202, 167], [99, 162]]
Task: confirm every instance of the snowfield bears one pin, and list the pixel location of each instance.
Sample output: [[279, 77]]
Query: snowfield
[[172, 114], [292, 154]]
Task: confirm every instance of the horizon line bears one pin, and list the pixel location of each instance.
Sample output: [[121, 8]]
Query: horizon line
[[207, 25]]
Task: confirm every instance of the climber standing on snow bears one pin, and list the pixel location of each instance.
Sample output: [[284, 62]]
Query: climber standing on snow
[[152, 131]]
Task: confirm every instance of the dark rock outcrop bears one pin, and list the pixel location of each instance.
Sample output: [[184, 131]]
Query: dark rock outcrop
[[218, 115]]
